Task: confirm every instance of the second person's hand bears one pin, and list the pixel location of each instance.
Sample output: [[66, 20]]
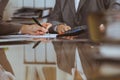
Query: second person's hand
[[62, 28]]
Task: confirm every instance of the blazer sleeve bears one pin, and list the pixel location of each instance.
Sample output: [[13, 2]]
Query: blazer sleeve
[[55, 16], [5, 27], [9, 28]]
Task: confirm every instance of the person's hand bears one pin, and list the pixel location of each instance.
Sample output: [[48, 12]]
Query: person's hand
[[62, 28], [35, 29], [102, 28], [47, 25]]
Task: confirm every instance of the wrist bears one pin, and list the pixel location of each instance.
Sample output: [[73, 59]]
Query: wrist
[[20, 32], [23, 29]]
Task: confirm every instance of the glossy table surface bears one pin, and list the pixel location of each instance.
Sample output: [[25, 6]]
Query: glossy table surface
[[91, 52]]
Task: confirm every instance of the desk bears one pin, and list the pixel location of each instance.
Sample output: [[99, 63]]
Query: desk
[[88, 50], [16, 54]]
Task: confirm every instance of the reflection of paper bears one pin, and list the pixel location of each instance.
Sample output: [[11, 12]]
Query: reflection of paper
[[30, 36], [14, 39]]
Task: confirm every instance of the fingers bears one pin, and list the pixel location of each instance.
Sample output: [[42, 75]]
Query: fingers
[[67, 28], [62, 29], [33, 29], [102, 28], [36, 28], [47, 25], [44, 25], [40, 33]]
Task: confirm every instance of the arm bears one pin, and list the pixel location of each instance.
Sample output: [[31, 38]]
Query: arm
[[55, 16], [8, 28], [13, 28], [112, 4]]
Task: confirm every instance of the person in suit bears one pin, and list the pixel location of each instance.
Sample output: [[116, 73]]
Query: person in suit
[[68, 14], [10, 28]]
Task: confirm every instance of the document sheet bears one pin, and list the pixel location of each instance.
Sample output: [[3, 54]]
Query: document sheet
[[9, 38], [30, 36]]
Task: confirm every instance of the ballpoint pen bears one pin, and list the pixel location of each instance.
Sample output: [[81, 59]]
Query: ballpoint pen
[[36, 44], [37, 22]]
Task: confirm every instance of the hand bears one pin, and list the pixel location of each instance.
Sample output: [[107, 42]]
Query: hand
[[35, 29], [102, 28], [62, 28], [47, 25]]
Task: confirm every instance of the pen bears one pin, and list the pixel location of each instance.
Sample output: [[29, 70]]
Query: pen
[[36, 44], [37, 22]]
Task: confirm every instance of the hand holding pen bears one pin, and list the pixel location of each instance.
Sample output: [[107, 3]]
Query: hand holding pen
[[35, 29], [44, 26]]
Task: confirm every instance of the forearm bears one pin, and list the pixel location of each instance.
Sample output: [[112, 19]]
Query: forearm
[[54, 26], [114, 4], [55, 16], [9, 28]]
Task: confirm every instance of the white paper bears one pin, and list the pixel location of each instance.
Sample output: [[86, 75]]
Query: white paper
[[14, 39], [30, 36]]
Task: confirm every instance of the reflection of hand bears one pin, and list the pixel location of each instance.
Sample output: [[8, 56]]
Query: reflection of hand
[[70, 37], [35, 29], [62, 28], [41, 39]]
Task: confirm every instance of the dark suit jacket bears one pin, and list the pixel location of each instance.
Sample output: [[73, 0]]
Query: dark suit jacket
[[7, 28], [64, 11]]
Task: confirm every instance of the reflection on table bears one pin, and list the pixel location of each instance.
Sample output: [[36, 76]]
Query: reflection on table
[[96, 62]]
